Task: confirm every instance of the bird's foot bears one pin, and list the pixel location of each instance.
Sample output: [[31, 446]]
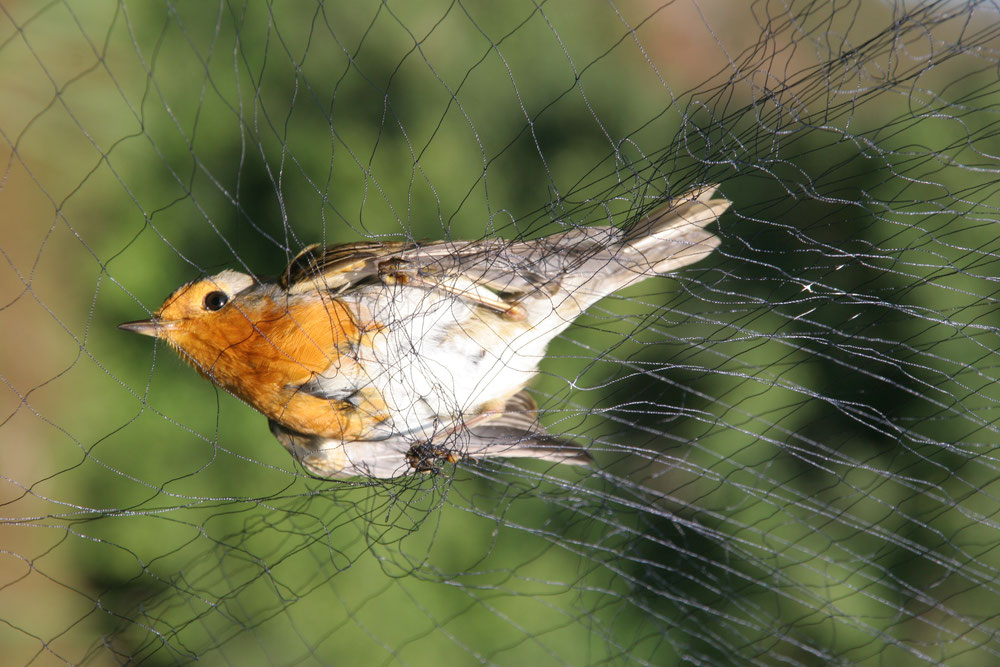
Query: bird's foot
[[427, 457]]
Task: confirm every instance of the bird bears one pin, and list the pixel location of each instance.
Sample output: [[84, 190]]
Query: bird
[[383, 359]]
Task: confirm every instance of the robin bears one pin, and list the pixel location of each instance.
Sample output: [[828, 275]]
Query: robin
[[382, 359]]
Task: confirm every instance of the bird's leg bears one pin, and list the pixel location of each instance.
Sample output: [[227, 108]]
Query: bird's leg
[[395, 272], [425, 456]]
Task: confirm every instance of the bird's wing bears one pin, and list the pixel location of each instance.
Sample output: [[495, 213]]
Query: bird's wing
[[516, 433], [337, 267], [513, 268], [492, 263]]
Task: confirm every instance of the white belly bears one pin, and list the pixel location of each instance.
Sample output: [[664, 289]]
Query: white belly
[[438, 358]]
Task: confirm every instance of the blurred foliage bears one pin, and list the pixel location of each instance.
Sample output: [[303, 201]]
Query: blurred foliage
[[795, 437]]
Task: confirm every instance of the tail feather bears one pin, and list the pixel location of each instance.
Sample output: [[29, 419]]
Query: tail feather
[[674, 236], [609, 258]]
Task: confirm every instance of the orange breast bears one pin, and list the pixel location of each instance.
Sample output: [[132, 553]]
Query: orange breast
[[262, 351], [343, 420]]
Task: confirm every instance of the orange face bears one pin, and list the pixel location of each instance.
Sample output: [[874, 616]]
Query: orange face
[[193, 318], [202, 299], [263, 346]]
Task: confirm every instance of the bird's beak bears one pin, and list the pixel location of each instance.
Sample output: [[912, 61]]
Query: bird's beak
[[155, 328]]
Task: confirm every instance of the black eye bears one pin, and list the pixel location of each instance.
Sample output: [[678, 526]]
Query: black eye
[[215, 300]]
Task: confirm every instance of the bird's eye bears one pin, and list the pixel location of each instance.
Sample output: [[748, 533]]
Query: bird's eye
[[215, 300]]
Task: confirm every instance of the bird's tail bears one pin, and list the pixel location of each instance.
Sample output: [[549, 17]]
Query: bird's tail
[[604, 260]]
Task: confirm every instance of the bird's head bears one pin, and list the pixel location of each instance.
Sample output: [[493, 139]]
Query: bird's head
[[195, 319]]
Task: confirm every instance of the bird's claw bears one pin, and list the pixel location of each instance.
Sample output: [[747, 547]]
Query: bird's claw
[[426, 457]]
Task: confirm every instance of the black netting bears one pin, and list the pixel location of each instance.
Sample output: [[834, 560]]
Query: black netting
[[795, 439]]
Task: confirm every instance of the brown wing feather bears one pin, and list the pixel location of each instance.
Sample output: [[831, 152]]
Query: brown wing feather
[[338, 266], [493, 263], [516, 433], [667, 239]]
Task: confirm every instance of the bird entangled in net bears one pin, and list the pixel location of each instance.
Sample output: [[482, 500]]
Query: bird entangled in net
[[785, 448]]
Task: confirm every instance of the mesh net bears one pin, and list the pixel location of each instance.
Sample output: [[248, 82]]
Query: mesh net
[[795, 440]]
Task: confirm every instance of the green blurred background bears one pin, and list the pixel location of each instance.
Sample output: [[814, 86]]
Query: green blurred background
[[795, 439]]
